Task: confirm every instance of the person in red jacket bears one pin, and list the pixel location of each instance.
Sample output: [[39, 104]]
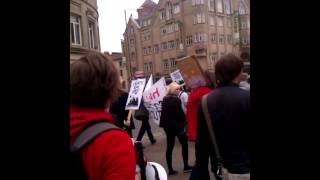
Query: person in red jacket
[[193, 104], [93, 84]]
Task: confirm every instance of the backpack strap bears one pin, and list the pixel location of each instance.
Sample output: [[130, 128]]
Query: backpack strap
[[156, 173], [90, 133]]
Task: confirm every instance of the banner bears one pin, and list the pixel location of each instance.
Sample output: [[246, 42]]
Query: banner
[[135, 94], [153, 99], [149, 83], [177, 77]]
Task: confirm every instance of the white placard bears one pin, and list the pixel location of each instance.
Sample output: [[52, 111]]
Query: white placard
[[177, 77], [135, 94], [153, 99], [149, 83]]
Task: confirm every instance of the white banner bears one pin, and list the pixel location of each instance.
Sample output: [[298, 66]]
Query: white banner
[[135, 94], [153, 99], [177, 77], [149, 83]]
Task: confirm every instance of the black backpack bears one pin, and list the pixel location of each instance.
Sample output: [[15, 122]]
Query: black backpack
[[77, 169]]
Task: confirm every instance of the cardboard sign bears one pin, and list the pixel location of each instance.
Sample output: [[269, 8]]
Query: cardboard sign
[[191, 71], [177, 77], [153, 99], [149, 83], [135, 94]]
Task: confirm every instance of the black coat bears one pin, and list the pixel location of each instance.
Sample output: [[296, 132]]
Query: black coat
[[172, 116], [118, 110], [229, 109]]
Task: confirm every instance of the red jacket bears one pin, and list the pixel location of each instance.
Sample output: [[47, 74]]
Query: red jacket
[[192, 110], [110, 155]]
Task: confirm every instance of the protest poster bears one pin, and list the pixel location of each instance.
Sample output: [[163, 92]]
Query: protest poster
[[135, 94], [191, 71], [177, 77], [153, 99]]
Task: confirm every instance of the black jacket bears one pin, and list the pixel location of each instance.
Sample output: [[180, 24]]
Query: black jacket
[[229, 109], [172, 115], [118, 110]]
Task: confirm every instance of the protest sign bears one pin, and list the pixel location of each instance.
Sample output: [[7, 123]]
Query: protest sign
[[153, 99], [177, 77], [135, 94], [191, 71]]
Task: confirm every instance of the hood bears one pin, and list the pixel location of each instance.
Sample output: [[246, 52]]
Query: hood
[[197, 93], [80, 118]]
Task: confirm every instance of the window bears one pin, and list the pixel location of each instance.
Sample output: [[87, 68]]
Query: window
[[188, 40], [219, 6], [213, 38], [177, 43], [131, 30], [149, 21], [211, 20], [146, 36], [229, 38], [146, 67], [197, 2], [164, 45], [200, 37], [213, 58], [91, 35], [149, 50], [172, 63], [156, 48], [150, 66], [162, 14], [75, 30], [169, 11], [221, 39], [199, 18], [170, 28], [211, 5], [176, 27], [220, 21], [227, 7], [163, 30], [176, 8], [200, 51], [120, 63], [121, 74], [145, 51], [170, 44], [165, 64], [131, 42]]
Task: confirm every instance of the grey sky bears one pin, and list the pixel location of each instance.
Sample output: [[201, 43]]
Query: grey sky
[[112, 21]]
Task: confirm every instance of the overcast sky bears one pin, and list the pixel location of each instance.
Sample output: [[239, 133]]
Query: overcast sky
[[112, 21]]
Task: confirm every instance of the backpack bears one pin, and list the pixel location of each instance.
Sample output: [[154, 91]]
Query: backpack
[[78, 171]]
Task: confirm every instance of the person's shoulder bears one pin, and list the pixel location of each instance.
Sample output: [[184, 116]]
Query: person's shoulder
[[114, 136]]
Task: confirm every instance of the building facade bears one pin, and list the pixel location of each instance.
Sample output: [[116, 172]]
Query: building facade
[[84, 28], [120, 64], [173, 29]]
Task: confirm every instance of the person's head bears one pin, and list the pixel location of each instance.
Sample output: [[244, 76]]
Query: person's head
[[139, 74], [229, 69], [174, 88], [210, 79], [94, 81]]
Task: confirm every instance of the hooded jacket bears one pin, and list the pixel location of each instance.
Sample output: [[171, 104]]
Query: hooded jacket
[[111, 154]]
